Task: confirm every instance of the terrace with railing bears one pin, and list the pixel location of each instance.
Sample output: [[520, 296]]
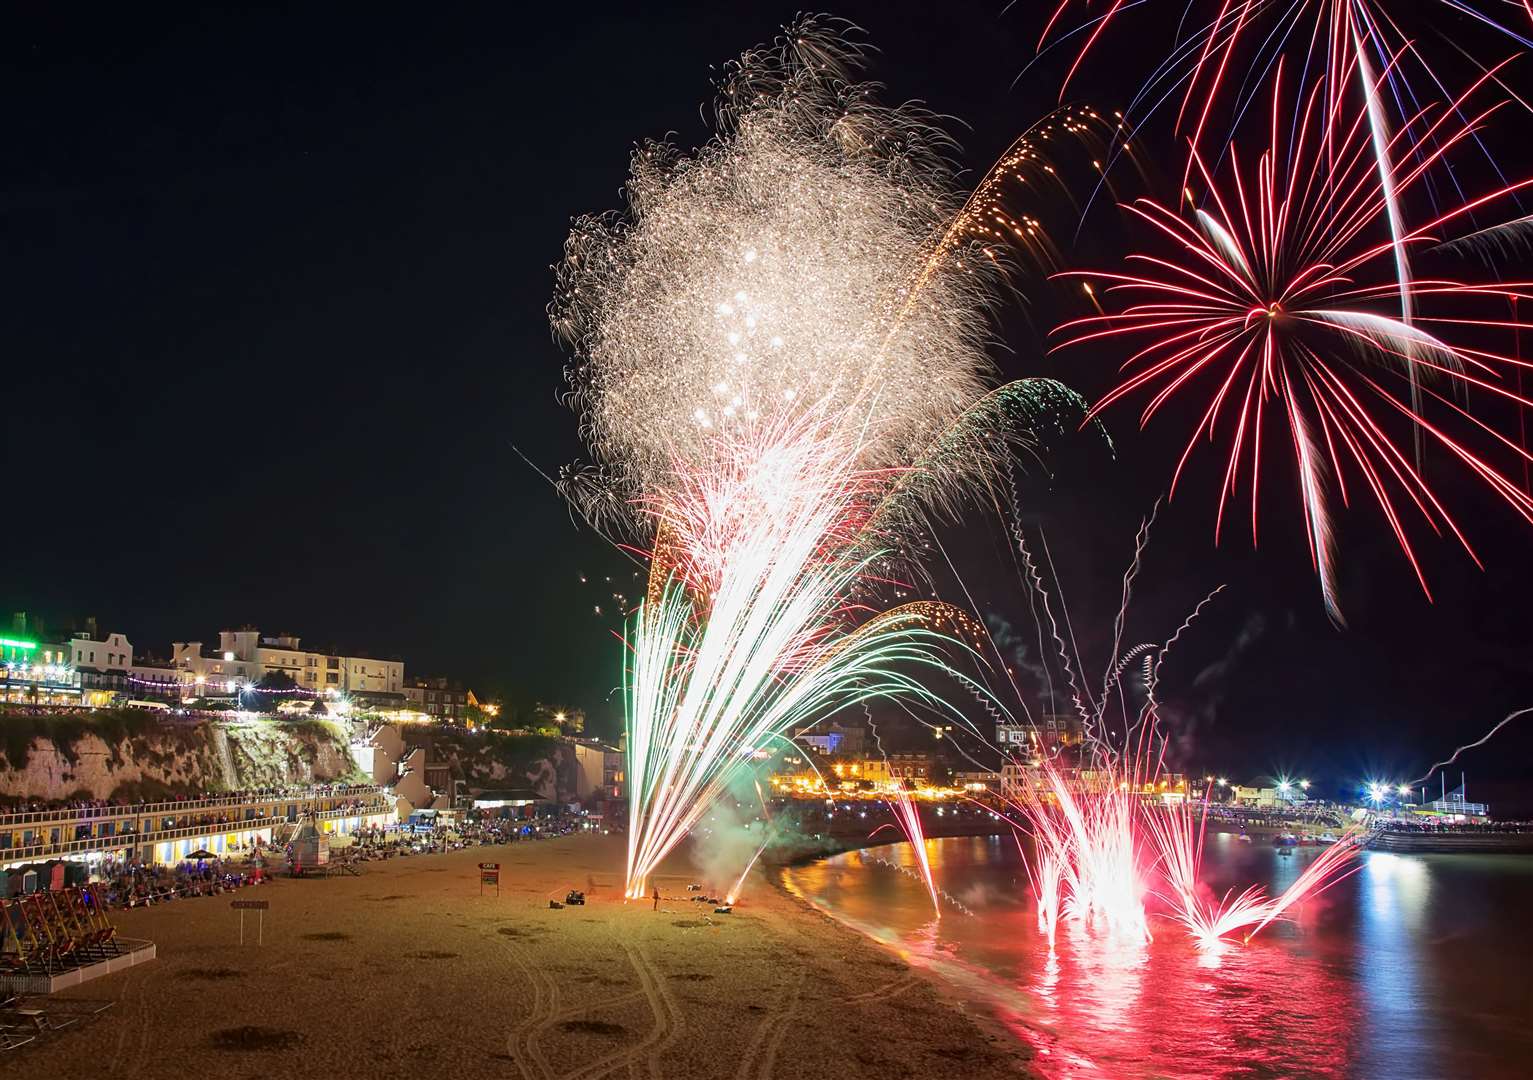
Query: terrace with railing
[[58, 832]]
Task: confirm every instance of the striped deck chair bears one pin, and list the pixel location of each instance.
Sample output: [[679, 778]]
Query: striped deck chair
[[33, 948], [53, 943], [74, 931], [95, 910]]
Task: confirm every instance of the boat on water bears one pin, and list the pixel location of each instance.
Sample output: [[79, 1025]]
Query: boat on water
[[1285, 840]]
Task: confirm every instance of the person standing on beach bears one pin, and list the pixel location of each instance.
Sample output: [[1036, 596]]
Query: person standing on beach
[[657, 899]]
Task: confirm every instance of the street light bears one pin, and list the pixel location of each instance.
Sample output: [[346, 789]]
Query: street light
[[1304, 784], [1377, 792]]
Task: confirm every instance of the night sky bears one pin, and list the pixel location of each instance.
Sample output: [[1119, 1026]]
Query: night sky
[[275, 334]]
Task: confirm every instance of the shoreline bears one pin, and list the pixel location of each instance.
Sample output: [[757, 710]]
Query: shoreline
[[962, 987]]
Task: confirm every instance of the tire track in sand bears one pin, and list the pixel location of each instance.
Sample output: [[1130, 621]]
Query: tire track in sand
[[888, 990], [667, 1026], [760, 1056], [521, 1041], [143, 1049]]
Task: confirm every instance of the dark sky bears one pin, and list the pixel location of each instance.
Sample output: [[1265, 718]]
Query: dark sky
[[275, 290]]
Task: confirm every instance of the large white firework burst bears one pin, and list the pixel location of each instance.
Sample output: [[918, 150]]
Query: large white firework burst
[[787, 271]]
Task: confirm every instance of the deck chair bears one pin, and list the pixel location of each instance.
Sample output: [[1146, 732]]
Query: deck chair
[[53, 943], [97, 936], [106, 933], [31, 948], [70, 931]]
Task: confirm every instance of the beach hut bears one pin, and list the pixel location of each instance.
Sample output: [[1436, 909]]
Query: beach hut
[[309, 850]]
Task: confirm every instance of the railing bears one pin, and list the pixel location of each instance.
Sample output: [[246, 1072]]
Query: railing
[[377, 805], [78, 815], [182, 832]]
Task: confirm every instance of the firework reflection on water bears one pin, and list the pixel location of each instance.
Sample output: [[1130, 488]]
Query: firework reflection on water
[[1389, 973]]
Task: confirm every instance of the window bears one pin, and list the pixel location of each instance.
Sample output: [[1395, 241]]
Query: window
[[332, 677]]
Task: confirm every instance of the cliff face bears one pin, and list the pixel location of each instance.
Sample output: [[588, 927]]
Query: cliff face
[[492, 760], [142, 755]]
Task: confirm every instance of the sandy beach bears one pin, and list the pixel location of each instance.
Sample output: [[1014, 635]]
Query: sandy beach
[[408, 970]]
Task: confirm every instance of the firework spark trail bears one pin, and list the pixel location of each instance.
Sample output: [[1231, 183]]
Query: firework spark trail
[[908, 817], [1272, 305], [1451, 758], [780, 361], [951, 900], [734, 894], [1105, 841], [1326, 35], [1085, 868], [1178, 833], [702, 695]]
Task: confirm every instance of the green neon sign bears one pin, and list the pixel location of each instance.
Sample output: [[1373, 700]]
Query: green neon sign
[[12, 643]]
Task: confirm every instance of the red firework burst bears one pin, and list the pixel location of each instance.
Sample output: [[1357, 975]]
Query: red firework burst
[[1288, 305]]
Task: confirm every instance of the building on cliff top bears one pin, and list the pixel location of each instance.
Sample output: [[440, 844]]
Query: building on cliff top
[[245, 656]]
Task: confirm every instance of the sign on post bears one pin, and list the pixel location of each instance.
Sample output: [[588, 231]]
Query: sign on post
[[489, 874], [259, 906]]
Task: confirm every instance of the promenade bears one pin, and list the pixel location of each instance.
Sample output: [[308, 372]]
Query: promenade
[[409, 969], [165, 832]]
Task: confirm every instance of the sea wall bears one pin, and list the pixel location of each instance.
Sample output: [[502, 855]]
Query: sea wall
[[799, 840], [130, 754], [1451, 842]]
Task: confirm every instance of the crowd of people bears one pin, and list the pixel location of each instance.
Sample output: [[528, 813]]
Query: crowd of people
[[131, 884], [1436, 825], [126, 884], [13, 805]]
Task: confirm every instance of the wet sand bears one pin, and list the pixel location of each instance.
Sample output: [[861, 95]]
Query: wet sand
[[408, 971]]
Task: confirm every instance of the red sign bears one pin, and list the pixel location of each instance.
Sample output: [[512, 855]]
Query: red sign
[[489, 866]]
